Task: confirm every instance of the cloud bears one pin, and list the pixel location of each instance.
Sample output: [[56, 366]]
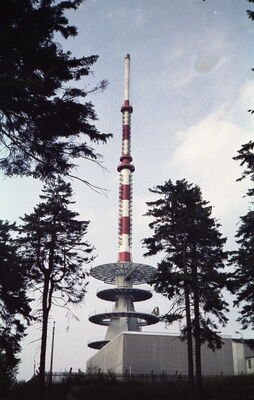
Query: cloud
[[182, 77], [204, 156], [140, 17], [247, 93]]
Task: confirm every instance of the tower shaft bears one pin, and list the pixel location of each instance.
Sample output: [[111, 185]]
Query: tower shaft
[[124, 273], [125, 170]]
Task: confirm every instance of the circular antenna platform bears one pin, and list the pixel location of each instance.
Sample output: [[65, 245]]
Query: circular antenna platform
[[106, 317], [132, 293], [134, 272], [98, 344]]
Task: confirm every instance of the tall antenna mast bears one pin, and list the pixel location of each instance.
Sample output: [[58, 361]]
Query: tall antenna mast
[[124, 274], [125, 170]]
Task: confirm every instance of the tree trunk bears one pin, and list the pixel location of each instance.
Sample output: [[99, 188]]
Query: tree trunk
[[199, 382], [189, 342], [45, 315], [48, 287], [189, 330]]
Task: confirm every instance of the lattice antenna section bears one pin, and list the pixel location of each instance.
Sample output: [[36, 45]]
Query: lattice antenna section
[[125, 170], [122, 211]]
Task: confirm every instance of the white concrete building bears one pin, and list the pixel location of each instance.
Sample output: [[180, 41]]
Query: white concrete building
[[249, 360], [158, 353]]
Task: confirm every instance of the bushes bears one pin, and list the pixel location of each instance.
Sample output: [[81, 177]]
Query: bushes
[[217, 388]]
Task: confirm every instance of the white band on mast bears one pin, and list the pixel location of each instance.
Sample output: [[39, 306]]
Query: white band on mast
[[127, 78], [125, 170]]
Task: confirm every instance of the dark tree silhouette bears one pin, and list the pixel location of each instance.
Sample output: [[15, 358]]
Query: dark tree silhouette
[[14, 303], [46, 121], [52, 240], [243, 276], [246, 158], [246, 154], [242, 279], [193, 257], [251, 16]]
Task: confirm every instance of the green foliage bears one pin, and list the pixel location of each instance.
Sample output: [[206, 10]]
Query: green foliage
[[241, 281], [52, 240], [7, 373], [185, 232], [14, 304], [251, 16], [246, 158], [217, 388], [53, 247], [44, 115], [243, 276]]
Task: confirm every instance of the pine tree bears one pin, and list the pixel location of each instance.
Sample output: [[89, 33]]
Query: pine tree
[[193, 258], [246, 158], [14, 303], [242, 279], [53, 246], [46, 121], [243, 276]]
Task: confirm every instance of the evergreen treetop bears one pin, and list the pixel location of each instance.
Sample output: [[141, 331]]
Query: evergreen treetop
[[53, 247], [46, 122], [14, 302], [185, 232], [52, 239]]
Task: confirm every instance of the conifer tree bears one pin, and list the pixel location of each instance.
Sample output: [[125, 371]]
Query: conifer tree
[[46, 120], [243, 276], [242, 279], [14, 303], [246, 158], [53, 246], [190, 272]]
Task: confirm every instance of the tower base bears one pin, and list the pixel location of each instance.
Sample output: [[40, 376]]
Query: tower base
[[135, 353]]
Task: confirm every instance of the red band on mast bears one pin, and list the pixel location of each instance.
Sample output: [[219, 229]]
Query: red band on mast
[[125, 170]]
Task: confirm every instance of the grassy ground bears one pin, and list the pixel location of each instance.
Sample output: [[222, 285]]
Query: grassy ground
[[227, 388]]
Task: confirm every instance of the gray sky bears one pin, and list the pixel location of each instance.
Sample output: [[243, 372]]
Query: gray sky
[[191, 87]]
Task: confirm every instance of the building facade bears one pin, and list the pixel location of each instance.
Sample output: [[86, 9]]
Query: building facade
[[135, 353]]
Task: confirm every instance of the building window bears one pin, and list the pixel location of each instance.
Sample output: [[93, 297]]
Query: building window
[[249, 363]]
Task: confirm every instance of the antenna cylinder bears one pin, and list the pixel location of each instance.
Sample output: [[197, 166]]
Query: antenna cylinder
[[125, 170], [127, 78]]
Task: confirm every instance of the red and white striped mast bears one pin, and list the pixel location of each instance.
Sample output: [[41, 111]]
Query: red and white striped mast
[[125, 170], [123, 273]]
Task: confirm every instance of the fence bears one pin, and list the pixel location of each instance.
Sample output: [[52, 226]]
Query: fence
[[60, 377]]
